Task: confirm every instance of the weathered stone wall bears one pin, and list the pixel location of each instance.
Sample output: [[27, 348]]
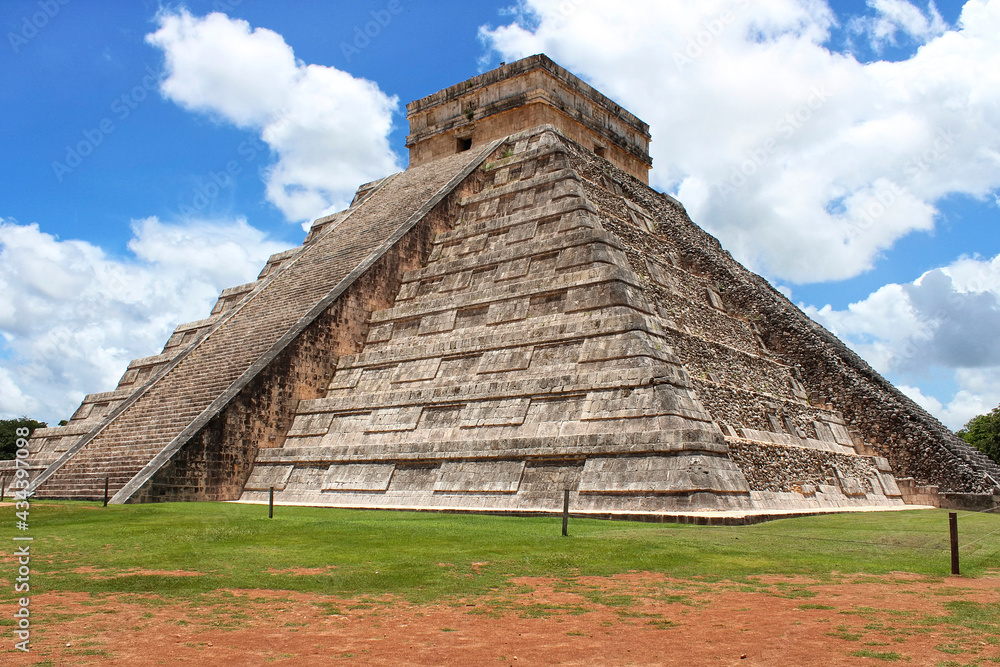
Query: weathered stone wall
[[770, 468], [833, 376], [739, 406], [918, 494], [715, 362], [215, 464]]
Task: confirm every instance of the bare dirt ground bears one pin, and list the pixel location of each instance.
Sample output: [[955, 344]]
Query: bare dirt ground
[[635, 619]]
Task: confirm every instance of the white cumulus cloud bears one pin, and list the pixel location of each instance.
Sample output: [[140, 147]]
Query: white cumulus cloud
[[945, 322], [72, 317], [893, 17], [805, 162], [328, 130]]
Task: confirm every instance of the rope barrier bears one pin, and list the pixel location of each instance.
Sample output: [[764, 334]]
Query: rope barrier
[[980, 539], [964, 513]]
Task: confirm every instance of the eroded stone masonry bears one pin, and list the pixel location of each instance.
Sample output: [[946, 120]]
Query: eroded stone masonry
[[516, 314]]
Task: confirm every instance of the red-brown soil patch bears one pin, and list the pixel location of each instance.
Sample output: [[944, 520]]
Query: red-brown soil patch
[[633, 619], [303, 571], [98, 573]]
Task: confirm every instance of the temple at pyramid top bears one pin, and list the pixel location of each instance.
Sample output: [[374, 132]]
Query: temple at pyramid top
[[528, 93]]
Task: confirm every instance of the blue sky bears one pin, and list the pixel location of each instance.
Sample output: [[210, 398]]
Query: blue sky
[[157, 153]]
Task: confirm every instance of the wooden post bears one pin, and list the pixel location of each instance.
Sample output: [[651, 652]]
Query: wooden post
[[565, 512], [270, 503], [953, 529], [105, 491], [3, 490]]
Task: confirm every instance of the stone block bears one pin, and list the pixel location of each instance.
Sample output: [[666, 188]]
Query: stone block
[[380, 333], [346, 378], [576, 220], [662, 474], [455, 281], [517, 268], [841, 435], [660, 274], [824, 432], [310, 424], [887, 483], [437, 322], [508, 311], [417, 370], [852, 487], [520, 233], [714, 299], [480, 476], [497, 412], [585, 255], [371, 477], [264, 477], [502, 361], [386, 420]]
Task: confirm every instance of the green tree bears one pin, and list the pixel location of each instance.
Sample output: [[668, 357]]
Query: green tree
[[983, 433], [8, 434]]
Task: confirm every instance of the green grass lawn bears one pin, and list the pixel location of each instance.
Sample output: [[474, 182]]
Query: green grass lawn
[[426, 556]]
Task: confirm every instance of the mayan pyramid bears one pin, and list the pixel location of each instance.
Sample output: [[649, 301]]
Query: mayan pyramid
[[516, 314]]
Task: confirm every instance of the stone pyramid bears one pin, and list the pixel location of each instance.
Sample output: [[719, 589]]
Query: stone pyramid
[[516, 314]]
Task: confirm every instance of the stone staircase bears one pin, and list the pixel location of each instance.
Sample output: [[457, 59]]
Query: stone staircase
[[142, 435]]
